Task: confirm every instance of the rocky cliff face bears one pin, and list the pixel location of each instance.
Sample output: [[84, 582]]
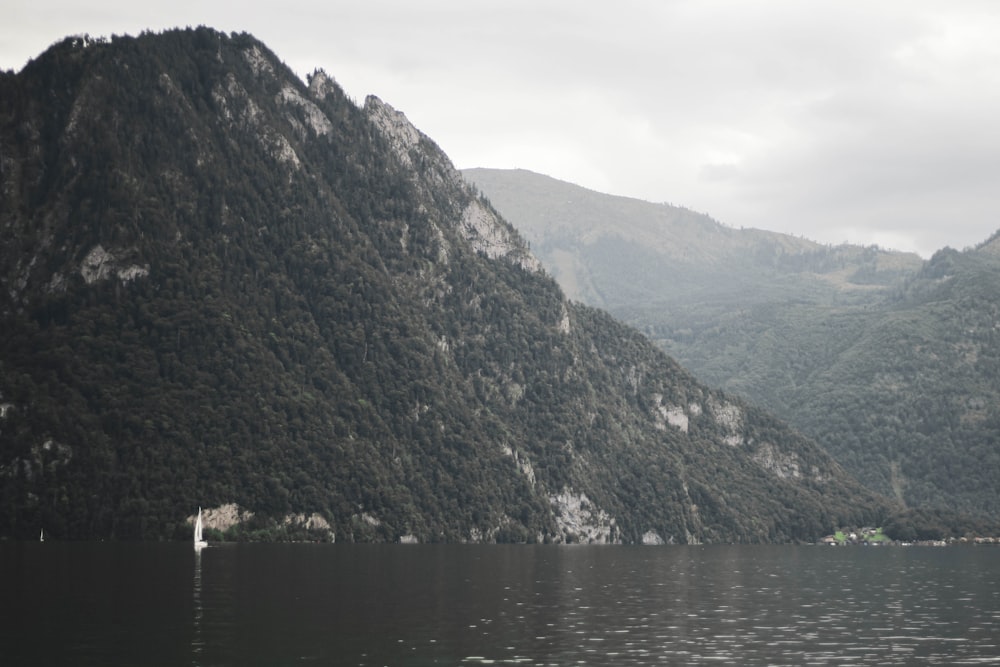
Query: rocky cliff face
[[432, 172], [227, 288]]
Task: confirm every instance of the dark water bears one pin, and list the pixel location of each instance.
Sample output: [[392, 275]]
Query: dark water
[[160, 604]]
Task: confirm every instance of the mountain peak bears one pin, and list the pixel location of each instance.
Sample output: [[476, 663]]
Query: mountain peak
[[395, 126], [226, 288], [321, 84]]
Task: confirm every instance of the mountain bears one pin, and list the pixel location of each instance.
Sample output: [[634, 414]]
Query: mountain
[[224, 286], [639, 259], [908, 393], [888, 362]]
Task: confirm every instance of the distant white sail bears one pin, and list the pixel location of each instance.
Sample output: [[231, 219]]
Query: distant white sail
[[199, 542], [41, 535]]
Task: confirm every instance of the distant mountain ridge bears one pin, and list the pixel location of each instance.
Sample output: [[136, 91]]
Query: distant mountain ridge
[[225, 287], [891, 363], [621, 253]]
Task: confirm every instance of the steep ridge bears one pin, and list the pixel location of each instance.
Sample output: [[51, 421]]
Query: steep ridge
[[224, 287], [888, 362]]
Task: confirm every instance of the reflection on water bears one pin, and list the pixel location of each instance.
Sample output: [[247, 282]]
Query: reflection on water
[[197, 642], [87, 604]]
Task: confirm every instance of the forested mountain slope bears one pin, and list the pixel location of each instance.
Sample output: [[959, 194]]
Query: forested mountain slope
[[221, 285], [888, 362], [908, 395]]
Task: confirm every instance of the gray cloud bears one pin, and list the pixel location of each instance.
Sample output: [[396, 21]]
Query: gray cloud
[[848, 121]]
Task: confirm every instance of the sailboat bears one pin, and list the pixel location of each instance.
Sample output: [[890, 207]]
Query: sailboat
[[41, 535], [199, 542]]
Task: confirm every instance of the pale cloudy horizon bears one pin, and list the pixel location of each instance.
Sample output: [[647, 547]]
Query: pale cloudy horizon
[[869, 123]]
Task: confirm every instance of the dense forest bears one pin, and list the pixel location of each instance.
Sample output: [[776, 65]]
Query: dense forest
[[223, 285], [889, 362]]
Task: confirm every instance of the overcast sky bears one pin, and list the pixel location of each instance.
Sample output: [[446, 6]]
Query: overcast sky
[[861, 121]]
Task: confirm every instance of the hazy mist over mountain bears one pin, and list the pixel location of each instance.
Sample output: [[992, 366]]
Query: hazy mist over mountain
[[889, 362]]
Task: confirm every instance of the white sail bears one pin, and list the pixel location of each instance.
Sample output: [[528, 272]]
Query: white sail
[[198, 541]]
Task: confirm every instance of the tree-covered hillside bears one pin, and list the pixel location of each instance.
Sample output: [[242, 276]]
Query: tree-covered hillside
[[910, 397], [223, 285], [889, 363]]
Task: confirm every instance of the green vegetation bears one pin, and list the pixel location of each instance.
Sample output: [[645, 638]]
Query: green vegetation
[[865, 536], [891, 364], [933, 525], [223, 286], [879, 536]]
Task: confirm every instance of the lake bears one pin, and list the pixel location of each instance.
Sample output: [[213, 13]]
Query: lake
[[322, 604]]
